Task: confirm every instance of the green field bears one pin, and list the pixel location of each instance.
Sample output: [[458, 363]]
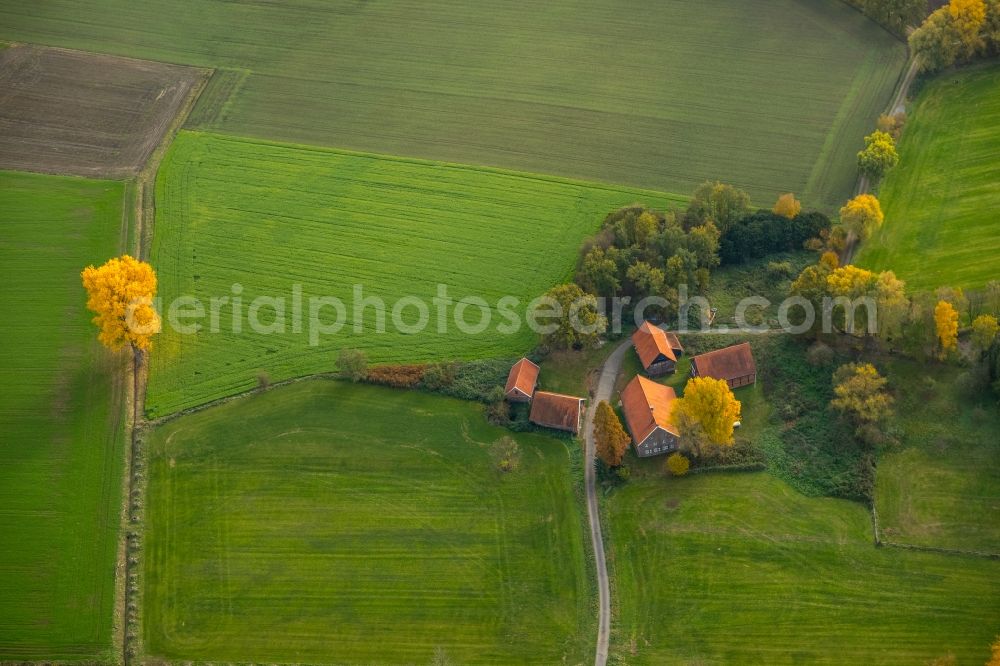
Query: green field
[[60, 434], [940, 203], [772, 97], [269, 216], [331, 523], [941, 488], [740, 568]]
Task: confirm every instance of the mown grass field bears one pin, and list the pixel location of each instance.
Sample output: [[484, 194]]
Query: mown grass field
[[270, 216], [335, 523], [60, 433], [940, 203], [941, 488], [740, 568], [772, 97]]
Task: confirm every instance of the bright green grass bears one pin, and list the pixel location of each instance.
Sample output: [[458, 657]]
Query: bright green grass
[[60, 435], [334, 523], [268, 216], [740, 568], [942, 487], [941, 223], [772, 96]]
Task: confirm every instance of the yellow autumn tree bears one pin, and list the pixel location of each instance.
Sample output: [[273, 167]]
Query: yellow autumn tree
[[995, 653], [120, 294], [610, 438], [707, 413], [678, 464], [862, 215], [946, 325], [967, 18], [787, 206]]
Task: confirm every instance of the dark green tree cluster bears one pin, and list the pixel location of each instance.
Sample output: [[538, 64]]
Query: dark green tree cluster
[[765, 232], [894, 15]]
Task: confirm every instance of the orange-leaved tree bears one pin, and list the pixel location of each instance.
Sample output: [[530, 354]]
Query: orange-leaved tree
[[610, 438], [787, 206], [120, 294], [706, 414], [946, 325]]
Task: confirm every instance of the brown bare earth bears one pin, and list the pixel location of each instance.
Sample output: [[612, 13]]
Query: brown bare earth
[[70, 112]]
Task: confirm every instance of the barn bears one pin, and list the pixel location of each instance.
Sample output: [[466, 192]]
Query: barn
[[555, 410], [647, 406], [734, 364], [657, 349]]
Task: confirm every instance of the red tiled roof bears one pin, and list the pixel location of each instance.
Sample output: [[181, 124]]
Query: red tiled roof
[[554, 410], [673, 340], [651, 341], [728, 363], [647, 405], [523, 377]]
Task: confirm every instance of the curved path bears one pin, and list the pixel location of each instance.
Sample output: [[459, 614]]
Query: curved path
[[605, 385]]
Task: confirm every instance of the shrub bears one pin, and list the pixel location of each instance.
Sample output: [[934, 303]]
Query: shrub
[[474, 380], [505, 454], [396, 376], [819, 354], [352, 364], [439, 376], [263, 380], [779, 270], [764, 232], [678, 464]]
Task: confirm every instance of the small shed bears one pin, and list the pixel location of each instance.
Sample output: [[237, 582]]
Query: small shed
[[521, 381]]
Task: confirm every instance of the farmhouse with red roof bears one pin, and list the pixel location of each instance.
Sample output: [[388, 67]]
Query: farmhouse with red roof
[[647, 406], [734, 364]]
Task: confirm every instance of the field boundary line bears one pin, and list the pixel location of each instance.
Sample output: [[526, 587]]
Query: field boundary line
[[940, 550], [127, 623]]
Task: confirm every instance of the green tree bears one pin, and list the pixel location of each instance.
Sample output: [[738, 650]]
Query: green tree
[[598, 273], [610, 439], [352, 364], [572, 316], [879, 155], [720, 203], [984, 332]]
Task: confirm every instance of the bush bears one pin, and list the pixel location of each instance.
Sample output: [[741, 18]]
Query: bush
[[505, 454], [819, 355], [678, 464], [352, 364], [474, 380], [396, 376], [439, 376], [263, 380], [779, 270]]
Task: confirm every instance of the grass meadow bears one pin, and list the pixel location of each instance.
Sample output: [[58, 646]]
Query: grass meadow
[[741, 568], [268, 216], [323, 522], [940, 203], [60, 432], [777, 99], [941, 487]]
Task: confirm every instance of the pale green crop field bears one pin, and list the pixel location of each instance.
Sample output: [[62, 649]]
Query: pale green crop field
[[324, 522], [741, 568], [61, 434], [268, 217], [772, 97], [941, 223]]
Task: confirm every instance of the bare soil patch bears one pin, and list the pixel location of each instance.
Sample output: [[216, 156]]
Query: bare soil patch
[[86, 114]]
